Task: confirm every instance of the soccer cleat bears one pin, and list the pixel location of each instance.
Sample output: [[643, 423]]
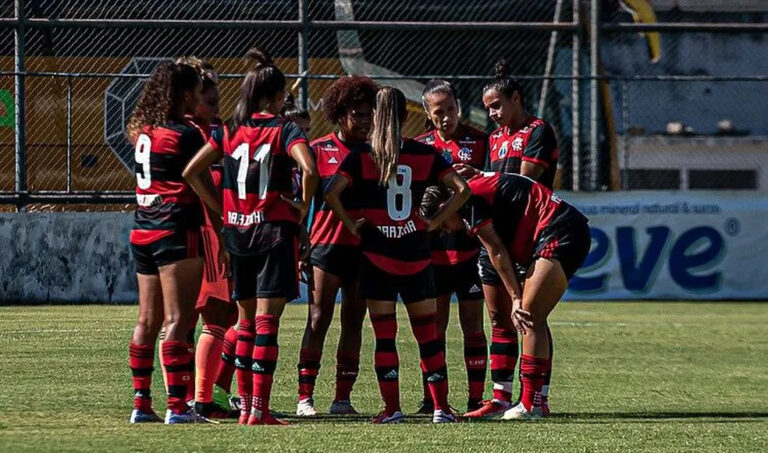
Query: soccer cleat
[[257, 418], [474, 404], [235, 403], [342, 407], [243, 418], [213, 410], [441, 416], [426, 407], [383, 417], [306, 408], [138, 416], [489, 409], [189, 416], [519, 412]]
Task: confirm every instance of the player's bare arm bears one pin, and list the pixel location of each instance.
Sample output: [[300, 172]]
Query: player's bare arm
[[195, 173]]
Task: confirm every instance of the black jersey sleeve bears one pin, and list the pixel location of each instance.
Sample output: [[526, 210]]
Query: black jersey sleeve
[[476, 212], [351, 167], [292, 135], [190, 142], [440, 167], [542, 146]]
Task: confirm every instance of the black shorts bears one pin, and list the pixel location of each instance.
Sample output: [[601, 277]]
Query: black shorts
[[377, 284], [488, 274], [568, 245], [342, 261], [461, 278], [181, 245], [269, 274]]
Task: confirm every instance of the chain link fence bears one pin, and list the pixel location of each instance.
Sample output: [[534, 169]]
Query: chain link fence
[[658, 125]]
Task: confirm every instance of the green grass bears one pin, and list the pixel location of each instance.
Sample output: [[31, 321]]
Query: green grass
[[632, 376]]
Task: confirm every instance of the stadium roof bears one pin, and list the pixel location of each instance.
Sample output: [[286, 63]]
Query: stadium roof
[[712, 5]]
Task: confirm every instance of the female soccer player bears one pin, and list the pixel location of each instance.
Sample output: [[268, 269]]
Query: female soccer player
[[296, 113], [526, 145], [454, 255], [165, 238], [387, 182], [335, 253], [521, 221], [261, 219]]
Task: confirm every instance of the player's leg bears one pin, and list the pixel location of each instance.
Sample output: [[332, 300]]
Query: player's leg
[[244, 271], [215, 314], [320, 307], [385, 358], [471, 314], [222, 390], [180, 281], [417, 292], [142, 347], [348, 353]]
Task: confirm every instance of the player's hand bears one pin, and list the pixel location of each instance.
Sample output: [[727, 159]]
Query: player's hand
[[224, 268], [306, 275], [354, 227], [302, 208], [466, 171], [521, 319]]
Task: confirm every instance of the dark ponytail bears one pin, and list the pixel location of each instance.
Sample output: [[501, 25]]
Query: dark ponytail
[[502, 82], [436, 86], [262, 81], [291, 110]]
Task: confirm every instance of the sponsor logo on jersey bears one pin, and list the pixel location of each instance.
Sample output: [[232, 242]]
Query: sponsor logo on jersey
[[465, 153], [499, 133], [245, 220], [503, 150], [517, 144], [397, 231], [467, 141], [448, 156], [148, 201], [330, 147]]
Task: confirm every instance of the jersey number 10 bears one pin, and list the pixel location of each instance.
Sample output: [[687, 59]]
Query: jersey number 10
[[263, 156], [399, 197]]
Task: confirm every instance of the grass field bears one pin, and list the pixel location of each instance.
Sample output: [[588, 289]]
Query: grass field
[[632, 376]]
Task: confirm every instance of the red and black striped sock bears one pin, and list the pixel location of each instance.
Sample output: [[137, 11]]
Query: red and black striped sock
[[533, 372], [503, 360], [309, 366], [386, 361], [243, 353], [347, 368], [425, 375], [176, 363], [476, 360], [432, 358], [265, 351], [142, 358], [227, 363]]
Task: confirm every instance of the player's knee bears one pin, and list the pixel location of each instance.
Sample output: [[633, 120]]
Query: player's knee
[[320, 320], [149, 324], [471, 322]]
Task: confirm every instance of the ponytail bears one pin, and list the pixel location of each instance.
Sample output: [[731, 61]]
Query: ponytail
[[262, 81], [386, 136]]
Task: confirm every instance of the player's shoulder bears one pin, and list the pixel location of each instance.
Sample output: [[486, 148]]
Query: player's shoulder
[[178, 130], [427, 138], [470, 133], [497, 133], [536, 123], [326, 141], [412, 146]]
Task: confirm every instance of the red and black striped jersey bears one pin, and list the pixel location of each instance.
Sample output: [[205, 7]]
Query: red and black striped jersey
[[520, 209], [472, 149], [535, 142], [394, 237], [327, 229], [166, 203], [258, 169]]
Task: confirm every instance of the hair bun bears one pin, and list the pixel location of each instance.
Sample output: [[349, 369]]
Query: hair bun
[[289, 101], [501, 69], [258, 57]]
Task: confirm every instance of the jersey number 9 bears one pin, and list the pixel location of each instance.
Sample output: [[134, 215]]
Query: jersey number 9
[[399, 198], [143, 152]]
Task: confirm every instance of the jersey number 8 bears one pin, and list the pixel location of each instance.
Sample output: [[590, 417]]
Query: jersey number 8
[[400, 192], [262, 156], [142, 154]]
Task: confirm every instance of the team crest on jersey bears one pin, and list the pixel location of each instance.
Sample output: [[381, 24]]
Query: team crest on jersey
[[465, 154], [555, 199], [517, 144], [503, 150], [499, 133], [448, 156]]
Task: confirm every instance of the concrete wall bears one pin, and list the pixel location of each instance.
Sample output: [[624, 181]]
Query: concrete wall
[[66, 257]]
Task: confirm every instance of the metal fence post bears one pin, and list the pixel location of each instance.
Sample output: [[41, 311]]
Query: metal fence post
[[594, 94], [69, 134], [624, 174], [302, 48], [19, 67], [576, 44]]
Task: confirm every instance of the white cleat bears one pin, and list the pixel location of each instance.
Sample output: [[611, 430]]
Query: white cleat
[[187, 417], [306, 408], [519, 412], [384, 418], [342, 407], [443, 417]]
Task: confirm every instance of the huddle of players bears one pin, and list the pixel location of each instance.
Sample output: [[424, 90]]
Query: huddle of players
[[392, 217]]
